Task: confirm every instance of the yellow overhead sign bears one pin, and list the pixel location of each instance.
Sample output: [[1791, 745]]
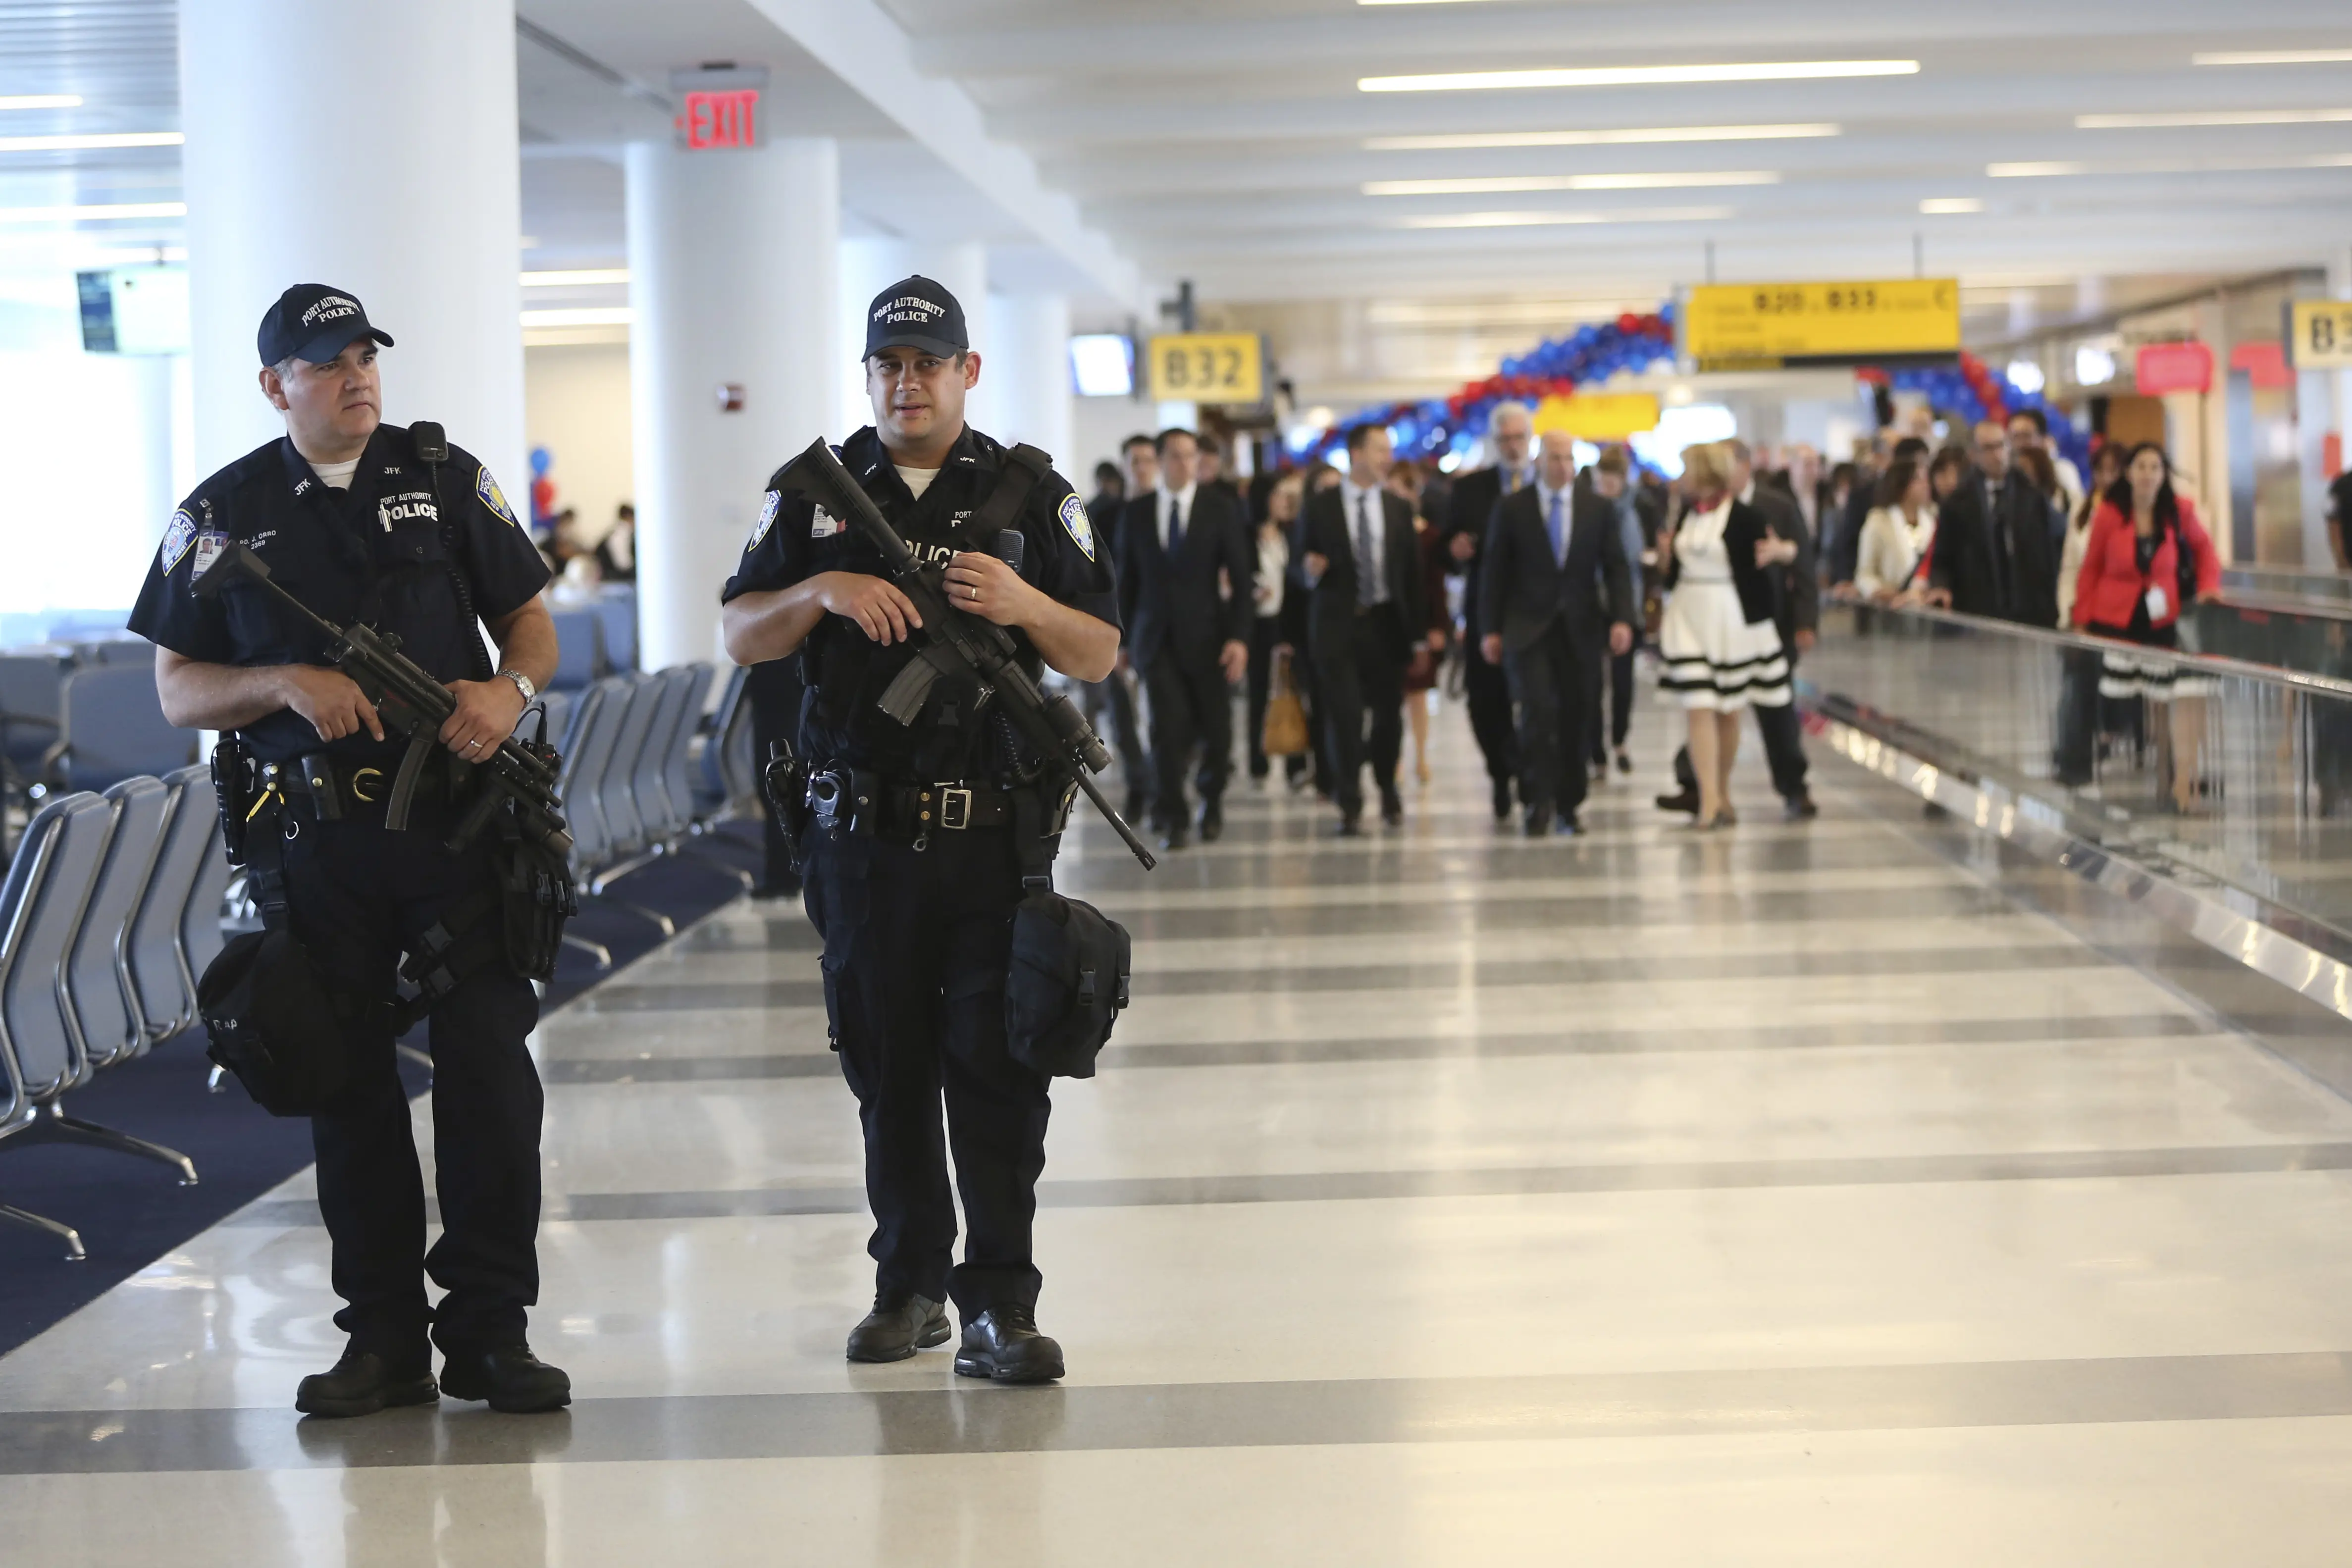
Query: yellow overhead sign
[[2323, 334], [1599, 415], [1208, 367], [1769, 325]]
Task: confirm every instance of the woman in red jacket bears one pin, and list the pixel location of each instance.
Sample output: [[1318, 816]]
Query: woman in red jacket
[[2147, 557]]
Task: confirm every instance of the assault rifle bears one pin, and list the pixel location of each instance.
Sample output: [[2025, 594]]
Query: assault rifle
[[411, 703], [957, 640]]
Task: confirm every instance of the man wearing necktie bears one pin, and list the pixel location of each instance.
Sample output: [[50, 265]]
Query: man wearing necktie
[[1486, 692], [1360, 562], [1555, 572], [1188, 633]]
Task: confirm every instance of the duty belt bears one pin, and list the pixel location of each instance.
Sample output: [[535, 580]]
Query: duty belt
[[905, 813], [329, 789]]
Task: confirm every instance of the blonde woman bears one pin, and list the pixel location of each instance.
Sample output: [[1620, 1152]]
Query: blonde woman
[[1721, 649]]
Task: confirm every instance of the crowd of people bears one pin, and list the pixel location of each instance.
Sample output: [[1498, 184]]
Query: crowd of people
[[1527, 586]]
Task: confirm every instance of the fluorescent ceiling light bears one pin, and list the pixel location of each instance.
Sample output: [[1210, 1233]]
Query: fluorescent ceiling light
[[91, 143], [1941, 204], [42, 101], [1560, 219], [1596, 138], [93, 214], [2211, 117], [614, 316], [2273, 57], [580, 278], [1566, 183], [2174, 166], [1638, 76]]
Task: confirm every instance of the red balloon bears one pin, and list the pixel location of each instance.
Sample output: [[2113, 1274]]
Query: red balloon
[[1629, 323]]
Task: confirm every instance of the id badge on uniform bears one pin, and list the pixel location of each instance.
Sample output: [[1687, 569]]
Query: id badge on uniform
[[208, 549], [2158, 604]]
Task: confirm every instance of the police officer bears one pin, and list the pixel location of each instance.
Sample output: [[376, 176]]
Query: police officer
[[355, 524], [914, 891]]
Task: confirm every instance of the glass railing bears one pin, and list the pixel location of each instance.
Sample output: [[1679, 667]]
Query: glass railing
[[2205, 766], [2287, 583]]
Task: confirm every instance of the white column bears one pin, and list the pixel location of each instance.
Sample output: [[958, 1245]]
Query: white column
[[412, 200], [1029, 364], [870, 265], [733, 278]]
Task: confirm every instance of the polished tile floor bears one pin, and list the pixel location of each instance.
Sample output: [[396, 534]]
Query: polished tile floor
[[1786, 1196]]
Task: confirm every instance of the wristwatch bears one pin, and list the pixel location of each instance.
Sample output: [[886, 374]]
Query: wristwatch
[[522, 684]]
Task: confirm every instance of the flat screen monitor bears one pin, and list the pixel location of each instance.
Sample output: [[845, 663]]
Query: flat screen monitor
[[134, 311]]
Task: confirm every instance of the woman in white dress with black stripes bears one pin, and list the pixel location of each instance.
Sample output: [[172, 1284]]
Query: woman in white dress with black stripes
[[1721, 649]]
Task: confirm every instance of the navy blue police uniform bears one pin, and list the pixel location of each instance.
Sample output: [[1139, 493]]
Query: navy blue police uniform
[[422, 564], [915, 906]]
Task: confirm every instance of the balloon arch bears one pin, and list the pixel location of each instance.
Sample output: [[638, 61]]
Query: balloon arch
[[1590, 355]]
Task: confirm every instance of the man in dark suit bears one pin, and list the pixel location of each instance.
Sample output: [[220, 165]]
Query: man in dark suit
[[1554, 573], [1189, 642], [1358, 552], [1139, 472], [1795, 573], [1996, 540], [1487, 690]]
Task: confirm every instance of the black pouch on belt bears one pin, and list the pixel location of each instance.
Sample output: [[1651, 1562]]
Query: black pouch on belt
[[1068, 978], [785, 780]]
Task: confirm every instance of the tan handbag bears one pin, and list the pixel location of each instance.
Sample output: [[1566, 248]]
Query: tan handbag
[[1286, 716]]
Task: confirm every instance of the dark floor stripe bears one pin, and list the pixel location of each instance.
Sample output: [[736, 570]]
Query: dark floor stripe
[[1343, 1186], [754, 995], [1323, 1411], [596, 1071]]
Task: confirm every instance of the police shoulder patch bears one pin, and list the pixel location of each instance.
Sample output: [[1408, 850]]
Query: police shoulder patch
[[768, 505], [178, 535], [1080, 527], [492, 496]]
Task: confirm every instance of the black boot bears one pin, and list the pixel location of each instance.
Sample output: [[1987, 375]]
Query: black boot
[[1391, 806], [898, 1328], [364, 1383], [1212, 820], [511, 1378], [1003, 1344], [1502, 800]]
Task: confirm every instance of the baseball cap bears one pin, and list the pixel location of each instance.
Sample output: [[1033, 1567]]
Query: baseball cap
[[916, 314], [314, 322]]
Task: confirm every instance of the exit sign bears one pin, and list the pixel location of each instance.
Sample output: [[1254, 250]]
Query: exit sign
[[725, 119]]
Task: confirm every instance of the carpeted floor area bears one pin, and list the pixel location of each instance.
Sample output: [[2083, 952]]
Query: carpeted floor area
[[132, 1212]]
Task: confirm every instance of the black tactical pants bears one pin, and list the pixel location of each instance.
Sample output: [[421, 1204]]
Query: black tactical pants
[[357, 896], [916, 944]]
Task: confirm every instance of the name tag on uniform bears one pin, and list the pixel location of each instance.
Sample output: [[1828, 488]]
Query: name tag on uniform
[[208, 549], [822, 524]]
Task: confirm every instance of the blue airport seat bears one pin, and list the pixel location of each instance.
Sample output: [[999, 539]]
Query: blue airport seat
[[113, 728], [101, 1006], [579, 648], [625, 832], [616, 607], [603, 707], [710, 776], [162, 983], [677, 795], [117, 650], [32, 682]]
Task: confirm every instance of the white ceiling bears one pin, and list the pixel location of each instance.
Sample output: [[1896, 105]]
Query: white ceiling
[[1225, 141]]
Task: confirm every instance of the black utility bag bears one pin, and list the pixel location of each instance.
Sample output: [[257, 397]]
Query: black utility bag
[[280, 1024], [1068, 978]]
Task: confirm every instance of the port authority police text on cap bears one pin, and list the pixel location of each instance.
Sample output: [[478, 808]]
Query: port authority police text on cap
[[312, 321], [915, 313]]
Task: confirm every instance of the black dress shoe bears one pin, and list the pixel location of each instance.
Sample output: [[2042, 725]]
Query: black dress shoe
[[1174, 836], [895, 1330], [1391, 806], [1569, 826], [1351, 826], [1139, 802], [511, 1378], [1537, 823], [1502, 800], [364, 1383], [1800, 809], [1686, 801], [1003, 1345], [1213, 821], [1624, 763]]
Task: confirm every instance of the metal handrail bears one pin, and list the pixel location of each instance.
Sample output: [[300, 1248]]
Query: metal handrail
[[2207, 663]]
